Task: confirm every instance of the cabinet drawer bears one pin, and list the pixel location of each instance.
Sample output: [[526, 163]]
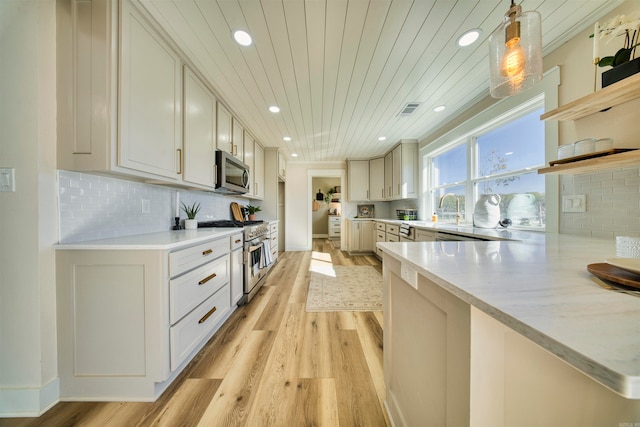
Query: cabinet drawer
[[187, 259], [334, 232], [189, 290], [381, 236], [380, 226], [393, 229], [392, 238], [334, 220], [274, 253], [274, 228], [235, 241], [405, 239], [188, 333], [274, 241]]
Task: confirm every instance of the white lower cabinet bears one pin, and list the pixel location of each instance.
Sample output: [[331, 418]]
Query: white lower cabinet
[[361, 236], [129, 320], [273, 236], [236, 267]]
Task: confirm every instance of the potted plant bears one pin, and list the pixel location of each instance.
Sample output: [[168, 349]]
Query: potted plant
[[252, 212], [623, 62], [190, 223], [329, 196]]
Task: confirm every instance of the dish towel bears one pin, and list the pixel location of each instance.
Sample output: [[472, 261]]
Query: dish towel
[[405, 229], [265, 254]]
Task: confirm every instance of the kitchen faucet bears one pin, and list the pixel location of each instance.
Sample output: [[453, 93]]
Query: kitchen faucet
[[457, 205]]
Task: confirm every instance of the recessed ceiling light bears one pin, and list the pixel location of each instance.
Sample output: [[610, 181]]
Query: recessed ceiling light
[[439, 108], [274, 109], [242, 37], [469, 37], [294, 155], [287, 138], [382, 138]]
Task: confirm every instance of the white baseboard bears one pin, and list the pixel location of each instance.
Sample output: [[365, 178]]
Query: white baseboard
[[320, 236], [29, 401]]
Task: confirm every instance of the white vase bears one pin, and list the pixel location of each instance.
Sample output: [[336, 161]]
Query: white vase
[[190, 224]]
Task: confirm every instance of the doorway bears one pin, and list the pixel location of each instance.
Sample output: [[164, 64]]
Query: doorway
[[324, 179]]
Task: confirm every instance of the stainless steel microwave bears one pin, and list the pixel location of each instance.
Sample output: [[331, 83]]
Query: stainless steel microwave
[[232, 176]]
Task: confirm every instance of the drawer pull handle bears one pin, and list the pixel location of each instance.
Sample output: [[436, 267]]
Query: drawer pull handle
[[206, 279], [238, 241], [206, 316], [207, 252]]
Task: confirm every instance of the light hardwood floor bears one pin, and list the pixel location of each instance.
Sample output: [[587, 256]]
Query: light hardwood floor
[[271, 364]]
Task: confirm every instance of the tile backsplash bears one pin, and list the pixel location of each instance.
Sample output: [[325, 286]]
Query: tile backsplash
[[98, 207], [612, 203]]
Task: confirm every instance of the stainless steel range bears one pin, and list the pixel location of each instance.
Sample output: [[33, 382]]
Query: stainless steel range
[[256, 253]]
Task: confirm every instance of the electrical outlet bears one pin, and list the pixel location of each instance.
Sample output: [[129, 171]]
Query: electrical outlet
[[574, 203], [146, 206], [7, 179]]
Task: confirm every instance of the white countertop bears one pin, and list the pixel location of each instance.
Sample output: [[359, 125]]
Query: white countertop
[[542, 290], [159, 240], [498, 233]]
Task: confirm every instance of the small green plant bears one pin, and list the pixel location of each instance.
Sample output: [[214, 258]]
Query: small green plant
[[329, 196], [253, 209], [192, 210]]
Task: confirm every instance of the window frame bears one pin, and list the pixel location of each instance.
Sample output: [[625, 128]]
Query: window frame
[[467, 126]]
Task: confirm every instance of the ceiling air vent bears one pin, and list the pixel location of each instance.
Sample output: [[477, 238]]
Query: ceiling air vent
[[409, 108]]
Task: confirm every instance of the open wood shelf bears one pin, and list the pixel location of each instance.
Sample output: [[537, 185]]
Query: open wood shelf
[[629, 158], [615, 94]]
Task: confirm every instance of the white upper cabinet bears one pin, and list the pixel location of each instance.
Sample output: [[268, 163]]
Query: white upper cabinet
[[405, 171], [258, 176], [376, 179], [150, 99], [358, 180], [119, 92], [249, 159], [282, 167], [237, 140], [199, 131], [224, 129], [388, 175]]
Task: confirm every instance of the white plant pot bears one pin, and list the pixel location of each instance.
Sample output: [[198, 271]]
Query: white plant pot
[[190, 224]]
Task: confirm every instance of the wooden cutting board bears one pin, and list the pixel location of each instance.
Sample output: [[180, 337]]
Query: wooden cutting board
[[614, 274], [236, 212]]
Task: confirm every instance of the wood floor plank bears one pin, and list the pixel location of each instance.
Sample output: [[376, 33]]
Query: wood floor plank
[[370, 335], [315, 356], [238, 391], [282, 367], [358, 404]]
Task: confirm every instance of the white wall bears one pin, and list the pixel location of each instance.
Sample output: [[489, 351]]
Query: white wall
[[28, 361]]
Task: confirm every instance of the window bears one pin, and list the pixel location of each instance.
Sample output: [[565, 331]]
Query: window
[[501, 158]]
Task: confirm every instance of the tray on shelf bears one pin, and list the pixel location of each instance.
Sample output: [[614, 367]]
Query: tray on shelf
[[590, 156]]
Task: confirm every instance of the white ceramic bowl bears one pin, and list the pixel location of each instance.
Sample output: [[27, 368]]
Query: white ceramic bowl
[[604, 144], [585, 146], [566, 151]]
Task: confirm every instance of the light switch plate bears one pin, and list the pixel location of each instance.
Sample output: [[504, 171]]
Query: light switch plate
[[146, 206], [7, 179], [574, 203]]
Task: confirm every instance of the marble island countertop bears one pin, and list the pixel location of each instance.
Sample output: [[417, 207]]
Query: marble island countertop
[[159, 240], [542, 290]]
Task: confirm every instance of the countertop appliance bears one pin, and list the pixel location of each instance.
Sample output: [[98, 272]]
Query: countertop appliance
[[256, 252], [232, 176]]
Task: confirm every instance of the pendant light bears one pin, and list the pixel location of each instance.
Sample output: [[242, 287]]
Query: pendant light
[[515, 53]]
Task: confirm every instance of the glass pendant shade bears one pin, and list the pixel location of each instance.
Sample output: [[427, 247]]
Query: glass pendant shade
[[515, 53]]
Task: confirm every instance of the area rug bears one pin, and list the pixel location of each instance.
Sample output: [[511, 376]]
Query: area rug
[[345, 288]]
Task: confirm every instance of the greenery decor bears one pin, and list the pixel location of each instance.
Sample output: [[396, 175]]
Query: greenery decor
[[253, 209], [621, 25], [329, 196], [192, 210]]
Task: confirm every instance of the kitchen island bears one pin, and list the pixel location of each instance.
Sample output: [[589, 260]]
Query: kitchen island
[[508, 333]]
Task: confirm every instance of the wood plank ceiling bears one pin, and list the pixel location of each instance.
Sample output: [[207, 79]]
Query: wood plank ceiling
[[342, 70]]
